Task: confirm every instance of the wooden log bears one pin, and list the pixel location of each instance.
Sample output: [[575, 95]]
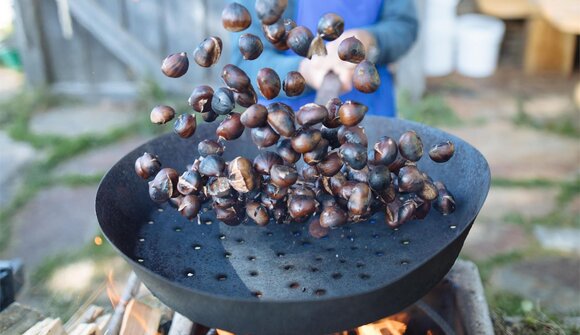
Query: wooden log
[[140, 319], [86, 329], [180, 325], [47, 326], [131, 289], [89, 315], [102, 322], [16, 319]]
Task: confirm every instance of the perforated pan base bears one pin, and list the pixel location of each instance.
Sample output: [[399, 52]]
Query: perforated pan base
[[277, 279]]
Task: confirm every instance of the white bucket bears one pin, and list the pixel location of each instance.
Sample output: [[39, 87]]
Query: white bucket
[[439, 47], [440, 10], [478, 43]]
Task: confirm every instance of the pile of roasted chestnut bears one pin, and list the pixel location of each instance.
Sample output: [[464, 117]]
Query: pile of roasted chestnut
[[341, 180]]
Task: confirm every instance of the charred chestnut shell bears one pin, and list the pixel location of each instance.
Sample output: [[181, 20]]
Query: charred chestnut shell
[[208, 52]]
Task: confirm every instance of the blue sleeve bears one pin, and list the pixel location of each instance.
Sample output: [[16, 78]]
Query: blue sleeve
[[396, 29], [279, 61]]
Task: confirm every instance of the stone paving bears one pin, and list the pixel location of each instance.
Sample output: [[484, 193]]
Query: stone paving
[[61, 218]]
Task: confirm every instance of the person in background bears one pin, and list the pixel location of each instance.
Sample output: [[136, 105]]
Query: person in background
[[387, 28]]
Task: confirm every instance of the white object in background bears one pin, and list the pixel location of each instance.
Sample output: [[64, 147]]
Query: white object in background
[[478, 43], [438, 29]]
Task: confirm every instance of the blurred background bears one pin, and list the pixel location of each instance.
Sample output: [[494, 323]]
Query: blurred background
[[78, 79]]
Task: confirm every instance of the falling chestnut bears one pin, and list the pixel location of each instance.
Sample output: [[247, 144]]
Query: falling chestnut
[[161, 114], [164, 185], [147, 165], [294, 84], [306, 140], [208, 52], [442, 152], [255, 116], [175, 65], [210, 147], [330, 165], [311, 114], [189, 206], [268, 83], [236, 17], [257, 213], [185, 125], [223, 101], [445, 202], [332, 107], [274, 32], [241, 175], [281, 119], [250, 46], [351, 50], [283, 175], [385, 151], [299, 40], [351, 113], [366, 77], [332, 217], [247, 97], [316, 230], [411, 146], [285, 150], [190, 182], [264, 137], [265, 160], [270, 11], [230, 128], [212, 166], [235, 78], [354, 155], [330, 26], [300, 207], [200, 98]]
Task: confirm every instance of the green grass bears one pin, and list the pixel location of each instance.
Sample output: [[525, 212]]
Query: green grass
[[431, 110], [566, 125]]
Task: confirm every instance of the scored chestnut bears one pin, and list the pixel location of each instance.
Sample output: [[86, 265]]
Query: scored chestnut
[[281, 119], [351, 113], [429, 191], [147, 165], [284, 149], [411, 146], [274, 191], [235, 78], [294, 84], [200, 98], [311, 114], [250, 46], [190, 182], [270, 11], [223, 101], [265, 160], [351, 50], [445, 202], [442, 152], [385, 151], [257, 213], [274, 32], [185, 125], [230, 128], [264, 137], [330, 26], [366, 78], [332, 120], [360, 199], [164, 185], [283, 175], [268, 83], [175, 65], [231, 216], [212, 166], [246, 98], [299, 40], [306, 140], [310, 173], [300, 207], [218, 187], [161, 114], [236, 17], [255, 116], [210, 147], [317, 154], [330, 165], [410, 179], [355, 134], [354, 155], [189, 206], [316, 230], [332, 217], [241, 175], [208, 52]]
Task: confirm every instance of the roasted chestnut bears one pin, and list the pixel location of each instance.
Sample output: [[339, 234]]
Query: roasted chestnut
[[310, 173], [317, 154], [265, 160], [241, 175], [445, 202], [223, 101], [224, 202], [162, 114], [257, 213], [232, 216], [331, 135], [164, 185], [299, 40], [392, 213], [189, 206], [212, 166], [210, 147], [410, 179], [411, 146], [255, 116], [250, 46], [407, 211], [294, 84], [311, 114], [285, 150], [397, 164], [442, 152], [270, 11], [147, 165], [246, 98], [351, 113], [355, 134], [200, 98], [236, 17], [306, 140], [354, 155], [330, 165], [361, 176], [283, 175], [332, 217], [300, 207], [175, 65], [264, 137], [360, 200], [230, 128], [208, 52], [330, 26], [268, 83], [316, 230], [281, 119], [190, 182], [385, 151], [379, 178], [332, 120], [274, 32], [185, 125], [351, 50], [219, 187], [429, 191], [366, 77], [209, 116], [274, 191], [235, 78]]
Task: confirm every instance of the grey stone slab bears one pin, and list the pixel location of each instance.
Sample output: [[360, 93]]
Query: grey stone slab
[[14, 157], [527, 202], [561, 239], [491, 238], [552, 282], [99, 160], [72, 121], [11, 82], [56, 220]]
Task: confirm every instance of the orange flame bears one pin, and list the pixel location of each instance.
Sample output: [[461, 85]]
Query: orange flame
[[112, 293], [387, 326]]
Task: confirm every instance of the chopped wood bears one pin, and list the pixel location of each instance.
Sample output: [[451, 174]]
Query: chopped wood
[[180, 325], [86, 329], [102, 321], [131, 289], [16, 319], [47, 326], [90, 314], [140, 319], [223, 332]]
